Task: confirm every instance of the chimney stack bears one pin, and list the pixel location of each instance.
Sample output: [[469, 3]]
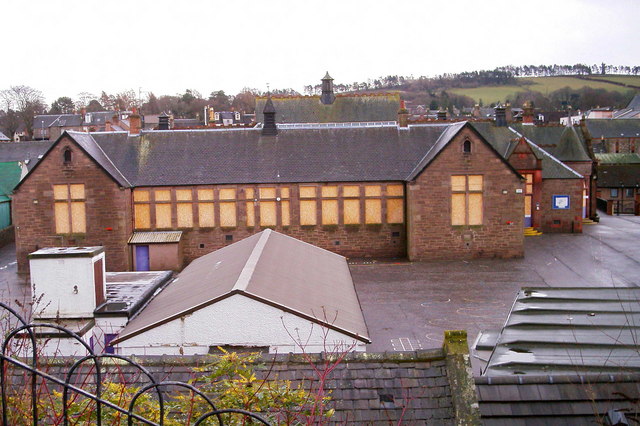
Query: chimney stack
[[501, 117], [135, 122], [269, 128], [527, 113], [163, 122], [403, 115], [442, 115]]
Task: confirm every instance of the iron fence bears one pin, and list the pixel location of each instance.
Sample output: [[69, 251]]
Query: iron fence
[[30, 365]]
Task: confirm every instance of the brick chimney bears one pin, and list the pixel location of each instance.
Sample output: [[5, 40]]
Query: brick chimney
[[403, 115], [163, 122], [527, 113], [501, 116], [442, 115], [107, 126], [135, 122]]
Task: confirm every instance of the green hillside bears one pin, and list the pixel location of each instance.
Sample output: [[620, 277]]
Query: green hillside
[[546, 85]]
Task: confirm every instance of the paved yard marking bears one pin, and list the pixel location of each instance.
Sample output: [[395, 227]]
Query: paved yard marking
[[405, 344]]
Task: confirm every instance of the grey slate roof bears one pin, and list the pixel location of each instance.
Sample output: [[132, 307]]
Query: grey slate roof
[[22, 151], [564, 143], [345, 108], [569, 331], [505, 139], [55, 120], [272, 268], [4, 138], [618, 158], [86, 141], [608, 128], [557, 400], [618, 175], [295, 155]]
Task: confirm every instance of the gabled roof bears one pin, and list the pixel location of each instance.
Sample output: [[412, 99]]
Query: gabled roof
[[345, 108], [564, 143], [271, 268], [618, 175], [634, 103], [86, 142], [3, 137], [239, 156], [505, 139]]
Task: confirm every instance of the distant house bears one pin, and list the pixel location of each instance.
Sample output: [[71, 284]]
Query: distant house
[[619, 183], [268, 291], [632, 110], [615, 136], [51, 126], [332, 108]]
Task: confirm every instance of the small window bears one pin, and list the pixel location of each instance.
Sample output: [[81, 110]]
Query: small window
[[466, 146], [628, 192], [67, 155], [614, 192]]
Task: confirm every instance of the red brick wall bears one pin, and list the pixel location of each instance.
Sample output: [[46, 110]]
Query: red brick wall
[[569, 220], [106, 206], [430, 233]]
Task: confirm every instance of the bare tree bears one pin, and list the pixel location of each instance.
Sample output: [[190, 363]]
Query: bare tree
[[84, 98], [26, 102]]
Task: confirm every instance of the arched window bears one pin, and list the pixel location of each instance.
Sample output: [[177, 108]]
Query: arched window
[[466, 146], [67, 155]]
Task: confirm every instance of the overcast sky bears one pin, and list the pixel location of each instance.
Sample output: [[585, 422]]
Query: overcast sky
[[66, 47]]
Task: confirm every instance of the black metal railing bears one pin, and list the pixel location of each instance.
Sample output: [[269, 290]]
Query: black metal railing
[[30, 366]]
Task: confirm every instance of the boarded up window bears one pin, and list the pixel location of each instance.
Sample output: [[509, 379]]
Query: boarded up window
[[62, 218], [227, 194], [185, 215], [228, 214], [206, 214], [163, 215], [373, 211], [372, 191], [267, 213], [527, 205], [395, 210], [251, 214], [69, 209], [267, 206], [183, 194], [140, 195], [395, 191], [285, 212], [307, 192], [372, 207], [205, 194], [284, 192], [308, 212], [529, 184], [162, 195], [351, 191], [329, 212], [206, 217], [466, 200], [142, 216], [351, 212], [329, 205]]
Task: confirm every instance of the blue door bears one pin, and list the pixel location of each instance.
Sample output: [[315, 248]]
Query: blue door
[[142, 258]]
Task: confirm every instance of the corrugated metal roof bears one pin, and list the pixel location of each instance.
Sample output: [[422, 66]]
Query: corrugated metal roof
[[569, 331], [272, 268], [156, 237]]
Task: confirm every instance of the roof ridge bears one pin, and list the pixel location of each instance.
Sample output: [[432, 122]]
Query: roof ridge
[[252, 261], [107, 157]]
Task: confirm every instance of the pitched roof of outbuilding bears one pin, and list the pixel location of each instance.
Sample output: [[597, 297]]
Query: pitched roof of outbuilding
[[564, 143], [272, 268], [4, 137], [23, 151], [618, 175]]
